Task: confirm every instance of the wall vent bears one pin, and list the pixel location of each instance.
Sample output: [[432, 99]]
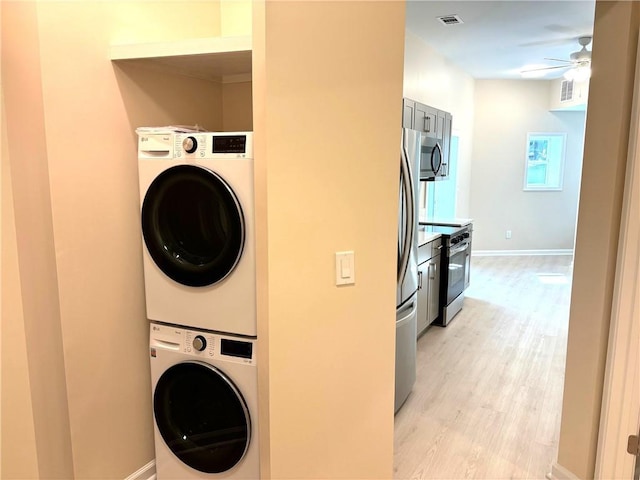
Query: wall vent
[[450, 20], [566, 91]]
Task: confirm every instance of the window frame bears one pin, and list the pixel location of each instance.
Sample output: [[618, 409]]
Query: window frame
[[547, 186]]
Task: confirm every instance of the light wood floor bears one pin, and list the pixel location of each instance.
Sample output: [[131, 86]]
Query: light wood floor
[[488, 395]]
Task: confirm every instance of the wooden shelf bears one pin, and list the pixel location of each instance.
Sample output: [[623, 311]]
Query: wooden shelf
[[220, 59]]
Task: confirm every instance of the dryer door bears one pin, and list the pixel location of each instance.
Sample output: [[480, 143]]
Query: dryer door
[[202, 417], [193, 225]]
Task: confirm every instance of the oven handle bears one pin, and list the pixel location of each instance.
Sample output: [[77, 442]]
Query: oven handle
[[457, 250]]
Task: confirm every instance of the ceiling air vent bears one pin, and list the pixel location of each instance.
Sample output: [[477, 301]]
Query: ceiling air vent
[[450, 19], [566, 90]]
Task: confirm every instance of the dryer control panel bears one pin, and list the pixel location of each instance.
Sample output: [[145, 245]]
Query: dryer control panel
[[202, 344], [162, 142]]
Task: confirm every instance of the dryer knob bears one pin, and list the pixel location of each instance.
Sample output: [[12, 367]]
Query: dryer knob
[[199, 343], [190, 144]]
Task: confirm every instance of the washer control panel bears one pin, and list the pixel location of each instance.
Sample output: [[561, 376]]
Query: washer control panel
[[201, 344]]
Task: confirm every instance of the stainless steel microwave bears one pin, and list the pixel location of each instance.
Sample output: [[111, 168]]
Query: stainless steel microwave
[[435, 138]]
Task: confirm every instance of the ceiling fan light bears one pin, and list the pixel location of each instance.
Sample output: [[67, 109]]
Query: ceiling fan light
[[578, 74], [582, 73]]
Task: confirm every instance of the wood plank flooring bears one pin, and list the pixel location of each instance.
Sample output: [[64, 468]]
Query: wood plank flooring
[[488, 394]]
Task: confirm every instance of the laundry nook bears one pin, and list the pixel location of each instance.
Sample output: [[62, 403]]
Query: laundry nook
[[141, 330]]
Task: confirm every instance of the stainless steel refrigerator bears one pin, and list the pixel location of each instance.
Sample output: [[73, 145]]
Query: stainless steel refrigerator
[[407, 297]]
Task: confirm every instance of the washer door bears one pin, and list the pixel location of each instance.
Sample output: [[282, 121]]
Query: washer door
[[202, 417], [193, 225]]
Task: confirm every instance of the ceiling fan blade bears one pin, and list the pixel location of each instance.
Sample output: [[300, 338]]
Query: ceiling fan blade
[[572, 36], [559, 60], [545, 68]]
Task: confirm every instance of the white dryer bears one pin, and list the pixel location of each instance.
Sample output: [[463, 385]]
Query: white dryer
[[205, 390], [197, 219]]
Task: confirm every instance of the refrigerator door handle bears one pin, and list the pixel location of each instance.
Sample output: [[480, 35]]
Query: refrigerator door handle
[[409, 196]]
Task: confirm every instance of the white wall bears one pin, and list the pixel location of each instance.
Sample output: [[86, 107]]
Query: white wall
[[578, 100], [505, 111], [429, 78]]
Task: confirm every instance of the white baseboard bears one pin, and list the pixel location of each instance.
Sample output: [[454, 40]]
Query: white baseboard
[[148, 472], [513, 253], [558, 472]]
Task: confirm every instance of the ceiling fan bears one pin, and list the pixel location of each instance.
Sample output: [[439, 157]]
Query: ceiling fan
[[579, 63]]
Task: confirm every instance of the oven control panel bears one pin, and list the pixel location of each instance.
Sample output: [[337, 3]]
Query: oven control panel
[[458, 237]]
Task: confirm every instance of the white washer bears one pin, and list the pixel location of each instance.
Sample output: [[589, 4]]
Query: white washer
[[197, 220], [205, 391]]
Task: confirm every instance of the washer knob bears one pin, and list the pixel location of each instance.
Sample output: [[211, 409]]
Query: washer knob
[[199, 343], [190, 144]]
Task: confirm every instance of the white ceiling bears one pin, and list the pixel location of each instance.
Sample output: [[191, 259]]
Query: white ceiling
[[499, 38]]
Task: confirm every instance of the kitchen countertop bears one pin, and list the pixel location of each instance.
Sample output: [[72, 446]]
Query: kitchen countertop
[[454, 222], [426, 237]]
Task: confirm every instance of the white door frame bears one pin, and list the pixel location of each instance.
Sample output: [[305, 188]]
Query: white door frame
[[620, 412]]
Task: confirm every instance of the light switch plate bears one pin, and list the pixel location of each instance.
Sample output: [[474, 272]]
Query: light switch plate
[[345, 268]]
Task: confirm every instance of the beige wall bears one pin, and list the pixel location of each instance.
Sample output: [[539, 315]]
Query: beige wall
[[235, 17], [327, 109], [149, 97], [19, 457], [505, 111], [36, 263], [607, 131], [76, 368], [429, 78], [237, 107]]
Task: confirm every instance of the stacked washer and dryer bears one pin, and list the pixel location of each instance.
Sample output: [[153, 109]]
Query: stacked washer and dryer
[[197, 219]]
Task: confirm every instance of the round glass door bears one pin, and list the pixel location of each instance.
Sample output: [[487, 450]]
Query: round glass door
[[436, 158], [193, 225], [202, 417]]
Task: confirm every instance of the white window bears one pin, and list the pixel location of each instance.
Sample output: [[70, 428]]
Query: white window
[[544, 162]]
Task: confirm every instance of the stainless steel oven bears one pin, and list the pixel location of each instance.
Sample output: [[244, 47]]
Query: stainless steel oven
[[454, 269]]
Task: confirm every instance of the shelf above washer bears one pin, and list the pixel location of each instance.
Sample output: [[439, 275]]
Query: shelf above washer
[[217, 59]]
